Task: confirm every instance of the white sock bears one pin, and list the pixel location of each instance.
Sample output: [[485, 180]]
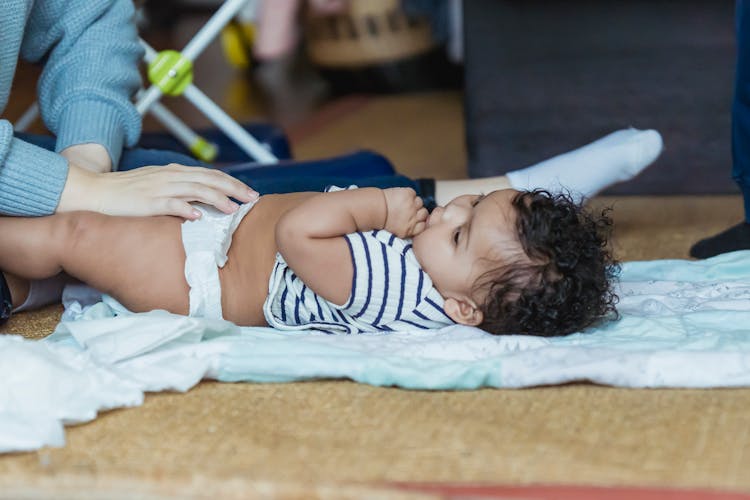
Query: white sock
[[44, 292], [585, 171]]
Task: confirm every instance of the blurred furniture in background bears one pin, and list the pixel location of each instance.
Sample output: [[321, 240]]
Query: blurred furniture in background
[[382, 46]]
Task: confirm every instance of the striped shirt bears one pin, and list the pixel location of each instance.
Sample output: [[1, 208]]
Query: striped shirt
[[390, 292]]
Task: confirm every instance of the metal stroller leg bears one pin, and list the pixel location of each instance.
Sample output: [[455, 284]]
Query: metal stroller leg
[[200, 148], [171, 73], [174, 78], [27, 118]]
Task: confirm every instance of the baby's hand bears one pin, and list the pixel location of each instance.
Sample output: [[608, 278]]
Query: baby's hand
[[405, 214]]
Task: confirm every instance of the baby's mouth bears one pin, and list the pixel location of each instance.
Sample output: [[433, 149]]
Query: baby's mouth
[[433, 216], [430, 219]]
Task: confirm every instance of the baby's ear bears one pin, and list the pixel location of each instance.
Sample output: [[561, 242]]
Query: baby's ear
[[463, 311]]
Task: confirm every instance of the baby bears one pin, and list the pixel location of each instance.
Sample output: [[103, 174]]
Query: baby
[[358, 260]]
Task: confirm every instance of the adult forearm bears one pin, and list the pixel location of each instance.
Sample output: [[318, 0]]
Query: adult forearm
[[90, 52]]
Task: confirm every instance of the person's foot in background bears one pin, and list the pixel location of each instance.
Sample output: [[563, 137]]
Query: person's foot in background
[[733, 239], [280, 66]]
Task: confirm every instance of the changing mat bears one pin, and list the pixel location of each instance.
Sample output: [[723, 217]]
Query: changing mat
[[683, 324]]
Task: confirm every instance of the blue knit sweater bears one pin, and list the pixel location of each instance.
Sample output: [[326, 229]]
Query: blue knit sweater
[[90, 53]]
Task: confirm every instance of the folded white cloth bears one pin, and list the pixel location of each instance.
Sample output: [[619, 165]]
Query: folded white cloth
[[684, 324]]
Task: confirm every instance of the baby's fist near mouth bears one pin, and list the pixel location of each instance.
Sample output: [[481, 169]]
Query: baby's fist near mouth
[[405, 213]]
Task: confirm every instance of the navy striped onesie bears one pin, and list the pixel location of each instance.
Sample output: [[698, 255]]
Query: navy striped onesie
[[390, 292]]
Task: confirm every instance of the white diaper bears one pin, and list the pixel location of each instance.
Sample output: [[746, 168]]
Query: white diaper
[[206, 243]]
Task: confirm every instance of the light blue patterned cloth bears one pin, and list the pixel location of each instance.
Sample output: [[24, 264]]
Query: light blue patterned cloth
[[684, 324]]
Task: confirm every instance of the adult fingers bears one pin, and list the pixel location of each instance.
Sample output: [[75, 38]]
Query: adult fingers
[[191, 191], [178, 208], [215, 179], [186, 184]]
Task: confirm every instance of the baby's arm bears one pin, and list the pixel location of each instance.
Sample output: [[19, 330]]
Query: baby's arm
[[310, 236]]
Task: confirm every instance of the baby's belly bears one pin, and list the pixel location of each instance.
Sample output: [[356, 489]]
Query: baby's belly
[[251, 257]]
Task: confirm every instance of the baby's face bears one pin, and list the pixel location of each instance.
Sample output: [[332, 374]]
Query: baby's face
[[465, 239]]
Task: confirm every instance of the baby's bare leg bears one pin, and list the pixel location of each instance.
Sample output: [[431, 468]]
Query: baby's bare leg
[[138, 260]]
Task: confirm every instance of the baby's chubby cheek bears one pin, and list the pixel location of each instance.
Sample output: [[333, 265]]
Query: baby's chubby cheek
[[420, 244]]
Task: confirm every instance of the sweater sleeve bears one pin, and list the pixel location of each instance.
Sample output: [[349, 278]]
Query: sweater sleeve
[[31, 178], [90, 73]]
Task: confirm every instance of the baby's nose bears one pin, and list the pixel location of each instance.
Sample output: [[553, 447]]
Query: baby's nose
[[454, 213], [437, 214]]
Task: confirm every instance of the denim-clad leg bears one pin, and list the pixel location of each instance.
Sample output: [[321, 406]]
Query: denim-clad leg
[[741, 106], [363, 168], [317, 183], [736, 237], [139, 157]]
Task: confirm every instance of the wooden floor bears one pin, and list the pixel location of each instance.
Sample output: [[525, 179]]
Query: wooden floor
[[338, 439]]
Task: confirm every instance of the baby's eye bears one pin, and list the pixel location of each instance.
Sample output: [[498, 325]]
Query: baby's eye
[[477, 200], [456, 234]]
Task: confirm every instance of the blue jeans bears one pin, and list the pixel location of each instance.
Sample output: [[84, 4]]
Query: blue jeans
[[741, 105], [363, 168]]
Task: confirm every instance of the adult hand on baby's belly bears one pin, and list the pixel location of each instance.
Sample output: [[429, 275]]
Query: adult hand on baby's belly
[[151, 190]]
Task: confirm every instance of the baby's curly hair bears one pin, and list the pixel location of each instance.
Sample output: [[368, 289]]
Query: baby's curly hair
[[564, 282]]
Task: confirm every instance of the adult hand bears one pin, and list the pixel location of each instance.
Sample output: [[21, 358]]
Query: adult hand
[[152, 190], [93, 157]]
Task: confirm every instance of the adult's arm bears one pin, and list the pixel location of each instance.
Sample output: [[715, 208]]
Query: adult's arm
[[90, 50], [91, 54], [34, 181], [31, 178]]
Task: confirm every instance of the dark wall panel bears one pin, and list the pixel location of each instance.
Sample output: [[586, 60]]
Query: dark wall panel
[[545, 76]]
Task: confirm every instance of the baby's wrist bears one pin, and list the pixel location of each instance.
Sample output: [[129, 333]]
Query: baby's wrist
[[368, 208], [385, 205]]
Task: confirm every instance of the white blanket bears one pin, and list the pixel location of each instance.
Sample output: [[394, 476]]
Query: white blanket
[[684, 324]]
